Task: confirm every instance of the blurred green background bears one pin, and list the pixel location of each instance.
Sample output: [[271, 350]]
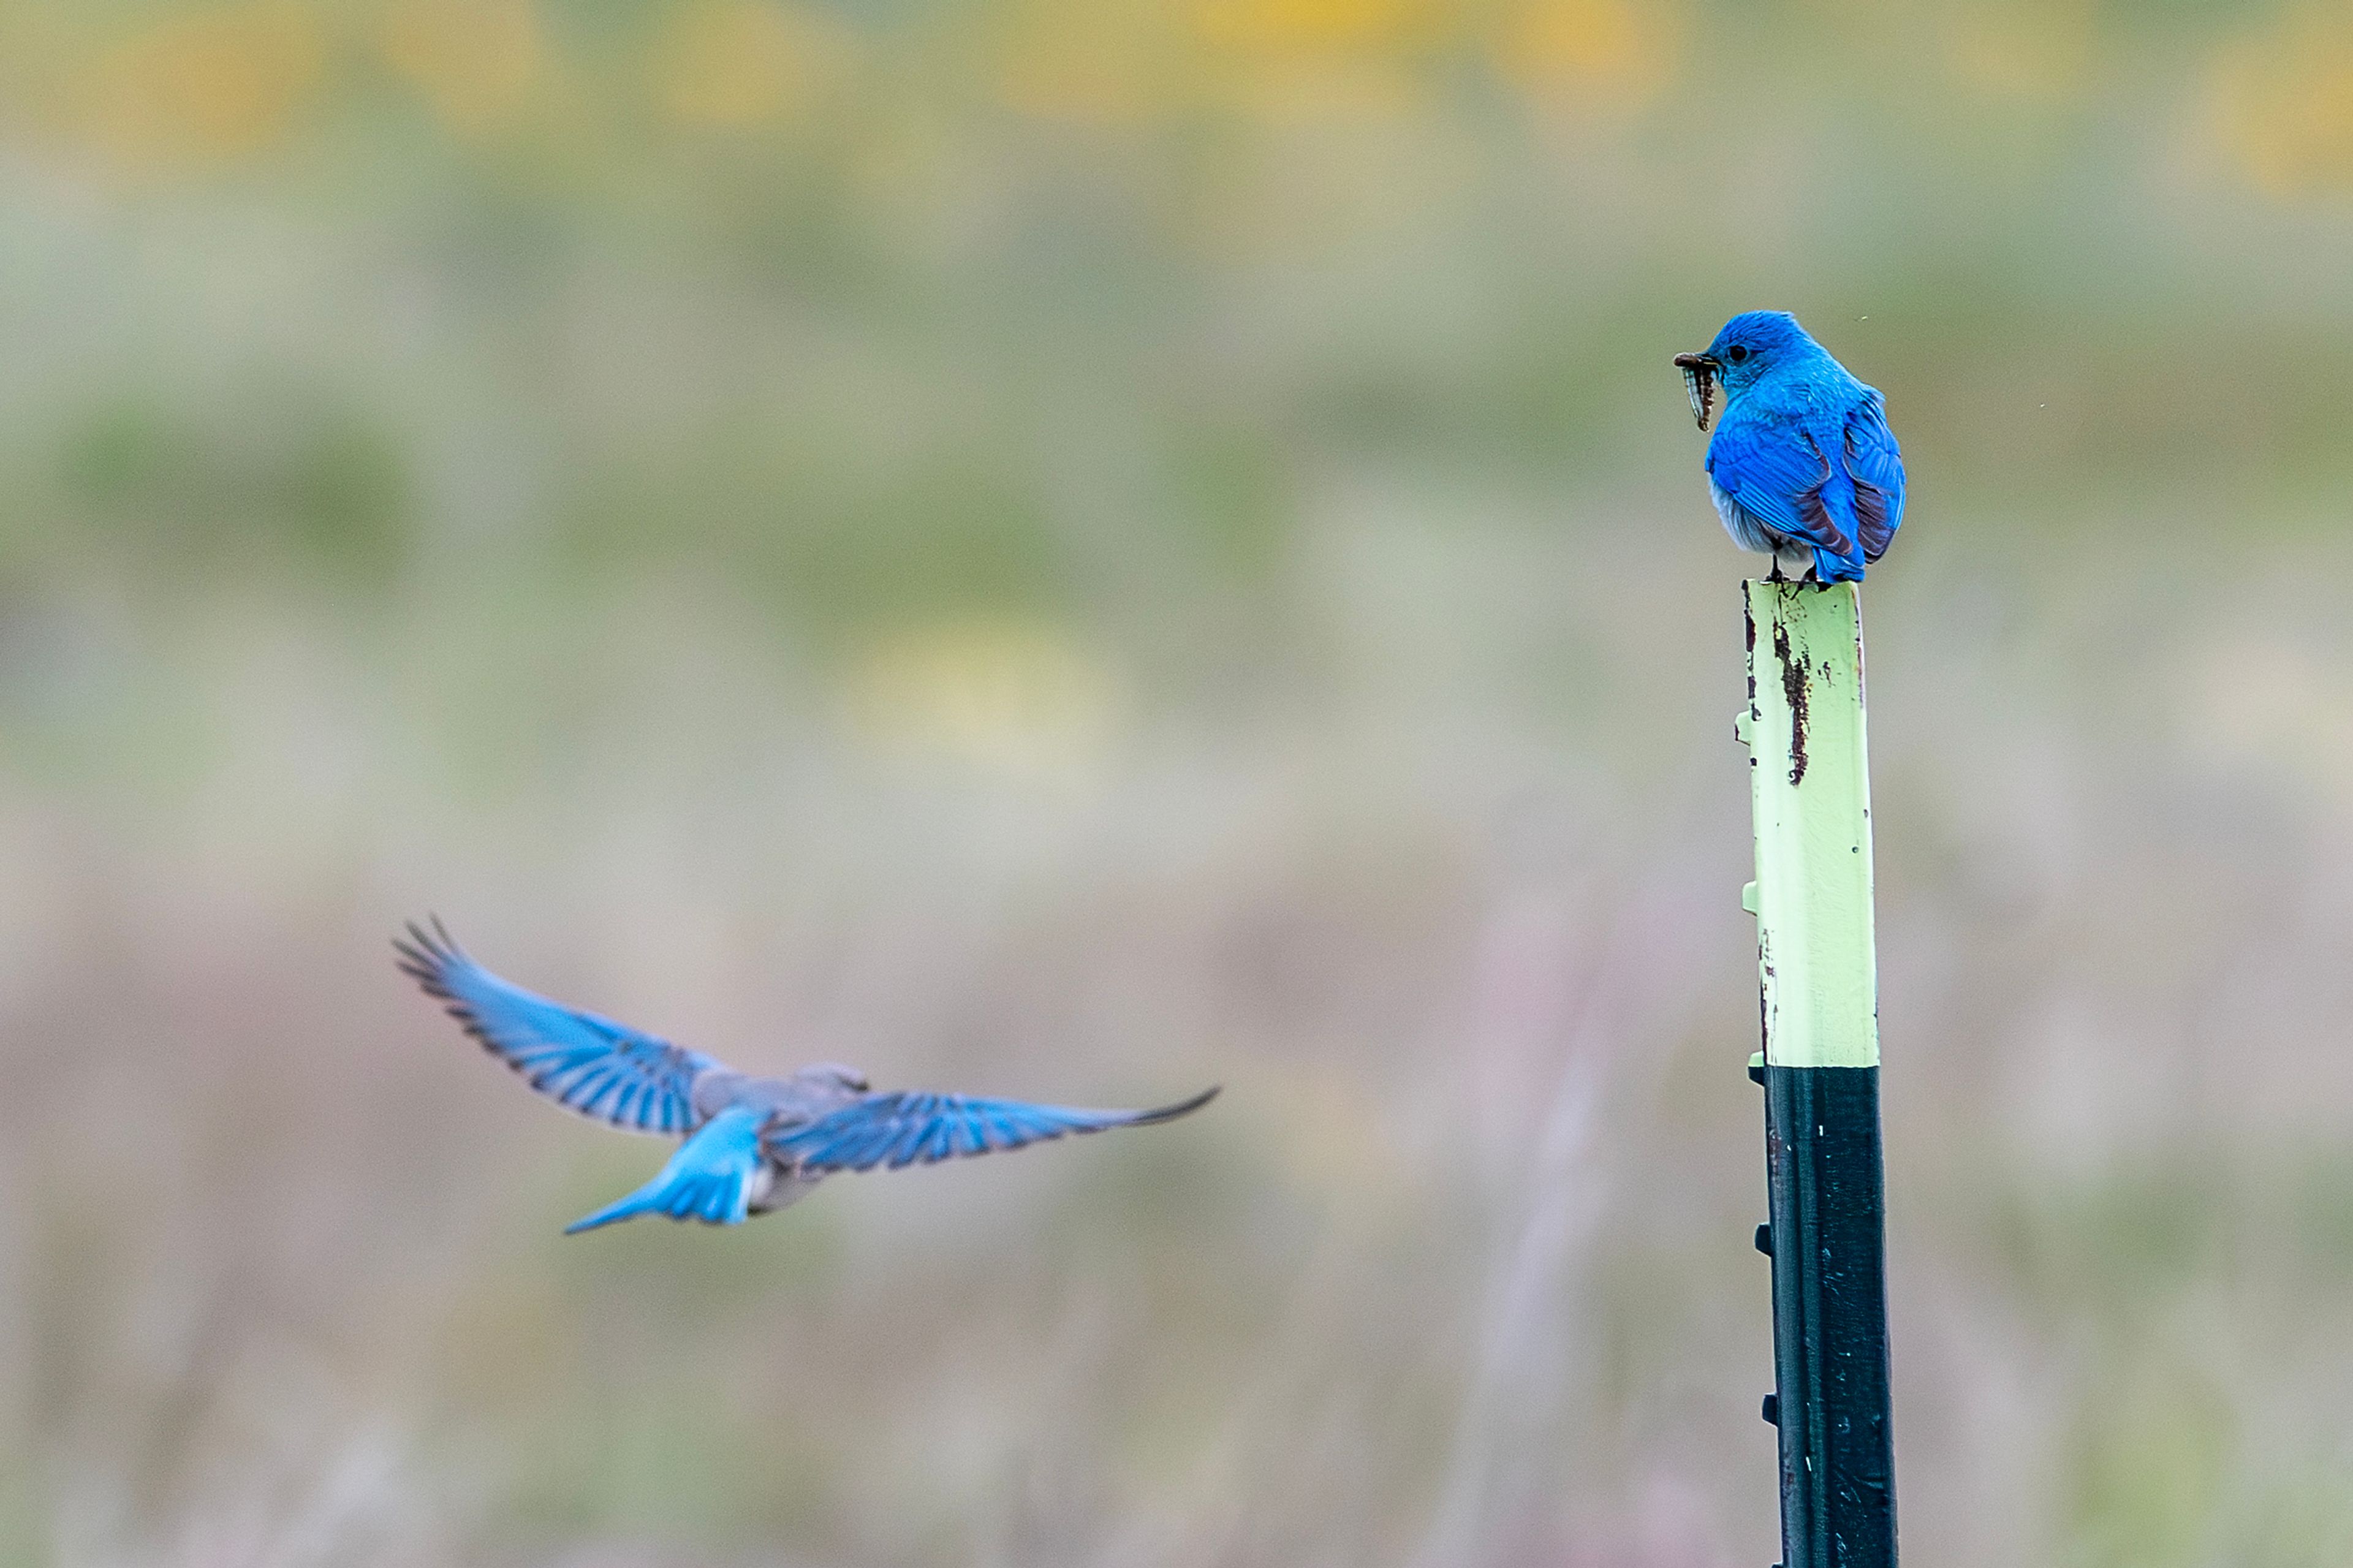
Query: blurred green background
[[1081, 548]]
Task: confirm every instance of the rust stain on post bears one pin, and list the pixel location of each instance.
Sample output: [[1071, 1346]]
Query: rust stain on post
[[1793, 690]]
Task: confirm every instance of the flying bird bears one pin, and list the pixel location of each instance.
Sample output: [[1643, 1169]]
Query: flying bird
[[1803, 467], [751, 1144]]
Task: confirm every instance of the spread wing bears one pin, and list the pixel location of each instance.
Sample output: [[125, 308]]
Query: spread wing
[[1876, 466], [595, 1065], [907, 1129], [1777, 473]]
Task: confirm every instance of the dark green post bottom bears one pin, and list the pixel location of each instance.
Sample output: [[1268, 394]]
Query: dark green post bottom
[[1829, 1317]]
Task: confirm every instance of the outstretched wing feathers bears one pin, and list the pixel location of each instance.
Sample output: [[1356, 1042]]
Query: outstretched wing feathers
[[909, 1129], [599, 1067], [632, 1080]]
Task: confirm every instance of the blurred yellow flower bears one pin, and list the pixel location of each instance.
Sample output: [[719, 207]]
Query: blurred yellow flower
[[476, 61], [743, 62], [218, 82], [2282, 104], [1012, 696], [1590, 50]]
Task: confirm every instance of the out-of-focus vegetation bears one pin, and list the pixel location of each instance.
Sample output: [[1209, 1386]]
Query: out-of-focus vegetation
[[1078, 549]]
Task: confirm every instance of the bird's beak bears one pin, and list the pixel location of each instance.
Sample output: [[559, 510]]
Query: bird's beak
[[1700, 371]]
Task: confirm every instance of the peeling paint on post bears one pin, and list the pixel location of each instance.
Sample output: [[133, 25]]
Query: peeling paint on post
[[1810, 790]]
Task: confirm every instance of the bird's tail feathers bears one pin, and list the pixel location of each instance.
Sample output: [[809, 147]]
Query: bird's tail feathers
[[709, 1180], [710, 1199], [1829, 568]]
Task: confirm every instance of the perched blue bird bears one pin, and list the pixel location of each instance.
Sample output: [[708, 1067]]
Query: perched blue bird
[[752, 1144], [1803, 467]]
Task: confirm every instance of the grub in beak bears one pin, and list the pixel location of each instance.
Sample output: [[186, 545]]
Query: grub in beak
[[1699, 381]]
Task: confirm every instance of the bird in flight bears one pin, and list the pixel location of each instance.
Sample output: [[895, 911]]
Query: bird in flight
[[752, 1144], [1803, 467]]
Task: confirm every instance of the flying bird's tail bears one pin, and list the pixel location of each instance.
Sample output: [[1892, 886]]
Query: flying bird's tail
[[709, 1178]]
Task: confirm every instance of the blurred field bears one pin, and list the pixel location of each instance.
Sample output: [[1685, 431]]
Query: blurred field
[[1080, 549]]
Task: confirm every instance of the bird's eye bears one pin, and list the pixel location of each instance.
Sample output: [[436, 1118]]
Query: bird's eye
[[1738, 354]]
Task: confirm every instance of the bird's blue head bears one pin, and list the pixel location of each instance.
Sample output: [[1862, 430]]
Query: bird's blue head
[[1751, 343]]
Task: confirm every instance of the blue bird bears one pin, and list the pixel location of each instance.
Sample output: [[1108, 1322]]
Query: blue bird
[[752, 1144], [1803, 467]]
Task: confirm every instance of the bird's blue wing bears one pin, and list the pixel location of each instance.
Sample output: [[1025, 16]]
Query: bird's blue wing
[[708, 1179], [595, 1065], [907, 1129], [1876, 466], [1775, 473]]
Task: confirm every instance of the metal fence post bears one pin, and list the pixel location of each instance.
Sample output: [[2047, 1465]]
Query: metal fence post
[[1811, 795]]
